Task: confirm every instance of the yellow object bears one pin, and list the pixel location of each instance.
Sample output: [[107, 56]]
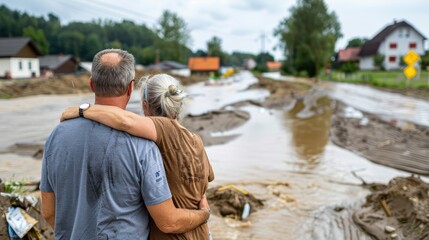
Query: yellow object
[[410, 72], [228, 73], [411, 57], [233, 187]]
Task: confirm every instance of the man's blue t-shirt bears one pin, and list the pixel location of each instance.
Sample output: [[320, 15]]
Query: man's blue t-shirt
[[102, 179]]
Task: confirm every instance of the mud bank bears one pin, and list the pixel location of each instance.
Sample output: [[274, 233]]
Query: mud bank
[[398, 210], [395, 144], [282, 93], [68, 84], [207, 125]]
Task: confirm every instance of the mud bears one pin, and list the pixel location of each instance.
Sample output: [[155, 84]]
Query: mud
[[282, 93], [395, 144], [215, 122], [230, 202], [68, 84], [405, 214]]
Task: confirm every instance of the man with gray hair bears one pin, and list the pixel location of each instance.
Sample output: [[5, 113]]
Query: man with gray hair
[[100, 183]]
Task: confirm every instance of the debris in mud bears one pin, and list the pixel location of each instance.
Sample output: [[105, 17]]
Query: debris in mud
[[231, 201], [21, 217], [400, 210]]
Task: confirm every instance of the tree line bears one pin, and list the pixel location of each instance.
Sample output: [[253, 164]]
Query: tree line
[[168, 40]]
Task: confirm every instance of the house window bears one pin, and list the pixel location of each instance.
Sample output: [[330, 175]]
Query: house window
[[392, 59], [393, 45], [400, 33], [413, 45], [29, 65], [20, 65], [407, 34]]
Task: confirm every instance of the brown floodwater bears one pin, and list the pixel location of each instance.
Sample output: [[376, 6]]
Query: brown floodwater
[[282, 157]]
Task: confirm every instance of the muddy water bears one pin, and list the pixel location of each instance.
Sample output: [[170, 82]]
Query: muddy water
[[389, 105], [382, 103], [284, 158]]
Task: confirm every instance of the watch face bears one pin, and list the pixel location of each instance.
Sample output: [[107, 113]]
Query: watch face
[[84, 106]]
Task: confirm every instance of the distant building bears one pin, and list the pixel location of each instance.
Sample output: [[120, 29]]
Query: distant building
[[273, 66], [394, 41], [249, 63], [59, 64], [18, 58], [204, 64], [348, 55], [171, 66], [85, 66]]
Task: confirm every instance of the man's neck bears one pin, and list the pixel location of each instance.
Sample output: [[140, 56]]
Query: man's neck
[[120, 101]]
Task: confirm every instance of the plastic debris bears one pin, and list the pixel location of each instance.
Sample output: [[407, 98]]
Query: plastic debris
[[20, 221]]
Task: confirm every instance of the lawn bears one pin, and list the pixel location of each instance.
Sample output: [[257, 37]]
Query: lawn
[[388, 79]]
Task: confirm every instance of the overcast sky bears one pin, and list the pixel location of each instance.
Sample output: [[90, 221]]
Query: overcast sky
[[240, 24]]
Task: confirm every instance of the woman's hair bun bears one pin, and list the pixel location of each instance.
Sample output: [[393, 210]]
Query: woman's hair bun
[[172, 90]]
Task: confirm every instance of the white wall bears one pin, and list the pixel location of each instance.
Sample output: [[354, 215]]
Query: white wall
[[4, 66], [182, 72], [25, 72], [402, 37], [366, 63]]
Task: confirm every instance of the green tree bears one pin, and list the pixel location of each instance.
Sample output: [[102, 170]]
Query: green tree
[[39, 39], [214, 49], [425, 61], [349, 67], [308, 36], [356, 42], [174, 37], [72, 42], [378, 60], [93, 44], [261, 61]]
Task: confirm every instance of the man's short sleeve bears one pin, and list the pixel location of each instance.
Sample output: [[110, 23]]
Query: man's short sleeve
[[45, 185], [154, 181]]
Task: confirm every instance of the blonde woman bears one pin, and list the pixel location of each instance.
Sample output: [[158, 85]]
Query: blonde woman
[[185, 160]]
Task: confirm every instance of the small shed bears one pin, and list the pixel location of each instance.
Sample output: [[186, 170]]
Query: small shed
[[204, 64], [59, 64], [274, 66]]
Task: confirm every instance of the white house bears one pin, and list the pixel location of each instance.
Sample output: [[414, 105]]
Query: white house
[[18, 58], [394, 41]]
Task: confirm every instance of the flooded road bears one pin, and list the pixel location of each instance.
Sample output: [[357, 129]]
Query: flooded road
[[389, 105], [284, 158]]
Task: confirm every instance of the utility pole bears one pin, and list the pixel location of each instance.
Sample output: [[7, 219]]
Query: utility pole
[[262, 38]]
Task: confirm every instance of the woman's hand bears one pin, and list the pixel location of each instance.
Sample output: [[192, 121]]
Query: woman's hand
[[69, 113]]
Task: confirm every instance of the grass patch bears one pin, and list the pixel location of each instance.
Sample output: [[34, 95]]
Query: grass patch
[[387, 79]]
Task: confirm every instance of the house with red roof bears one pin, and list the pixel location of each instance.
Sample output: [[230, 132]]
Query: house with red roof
[[349, 55], [393, 41]]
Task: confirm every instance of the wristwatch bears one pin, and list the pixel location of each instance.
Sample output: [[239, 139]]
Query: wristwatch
[[82, 108]]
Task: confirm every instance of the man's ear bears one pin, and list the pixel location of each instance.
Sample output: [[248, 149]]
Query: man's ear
[[130, 88], [91, 84]]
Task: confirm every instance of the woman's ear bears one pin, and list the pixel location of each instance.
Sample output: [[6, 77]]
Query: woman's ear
[[146, 108]]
